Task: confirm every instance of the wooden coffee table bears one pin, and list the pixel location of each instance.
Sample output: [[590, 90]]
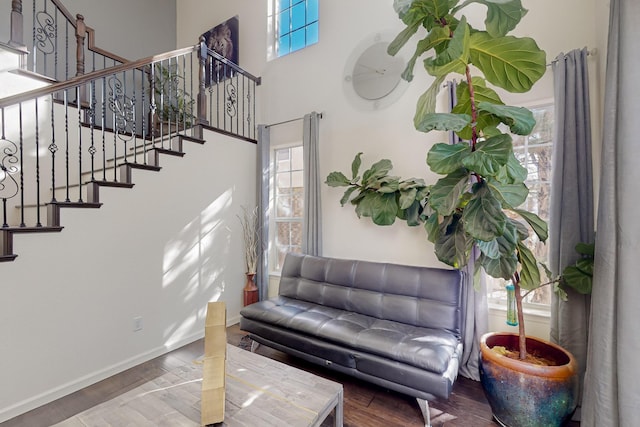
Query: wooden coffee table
[[259, 392], [263, 392]]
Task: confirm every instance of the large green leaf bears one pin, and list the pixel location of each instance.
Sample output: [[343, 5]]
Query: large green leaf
[[412, 214], [445, 194], [382, 208], [490, 155], [519, 119], [437, 8], [490, 249], [443, 121], [463, 105], [436, 36], [529, 271], [506, 263], [407, 197], [402, 38], [511, 63], [455, 57], [502, 16], [427, 101], [538, 225], [513, 172], [579, 276], [377, 171], [346, 195], [509, 194], [446, 158], [454, 245], [355, 165], [386, 184], [483, 217], [337, 179], [432, 227]]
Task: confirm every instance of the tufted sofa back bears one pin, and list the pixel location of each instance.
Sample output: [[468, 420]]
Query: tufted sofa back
[[419, 296]]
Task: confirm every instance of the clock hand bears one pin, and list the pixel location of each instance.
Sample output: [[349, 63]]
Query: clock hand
[[381, 72]]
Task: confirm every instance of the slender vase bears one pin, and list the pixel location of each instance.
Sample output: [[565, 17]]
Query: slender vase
[[250, 290]]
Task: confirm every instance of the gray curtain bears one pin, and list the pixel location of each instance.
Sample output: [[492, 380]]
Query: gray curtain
[[612, 382], [312, 221], [571, 208], [262, 275], [477, 315]]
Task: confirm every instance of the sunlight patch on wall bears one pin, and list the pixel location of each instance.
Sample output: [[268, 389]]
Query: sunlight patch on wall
[[194, 264]]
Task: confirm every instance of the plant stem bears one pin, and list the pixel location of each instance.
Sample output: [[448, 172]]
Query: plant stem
[[521, 333]]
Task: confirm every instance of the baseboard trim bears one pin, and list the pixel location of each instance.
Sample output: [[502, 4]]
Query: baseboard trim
[[87, 380]]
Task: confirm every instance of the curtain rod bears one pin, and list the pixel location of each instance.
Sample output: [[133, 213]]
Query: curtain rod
[[289, 121], [590, 52]]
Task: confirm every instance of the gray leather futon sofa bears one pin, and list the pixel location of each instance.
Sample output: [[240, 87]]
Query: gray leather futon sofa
[[397, 326]]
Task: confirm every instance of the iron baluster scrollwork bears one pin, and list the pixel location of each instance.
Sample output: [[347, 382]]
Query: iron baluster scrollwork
[[122, 108], [249, 111], [45, 33], [91, 115], [231, 104], [8, 167], [53, 148]]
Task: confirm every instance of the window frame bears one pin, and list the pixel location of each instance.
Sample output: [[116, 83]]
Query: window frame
[[274, 269], [273, 28], [501, 302]]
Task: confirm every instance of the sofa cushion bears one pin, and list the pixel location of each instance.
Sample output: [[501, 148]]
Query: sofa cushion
[[425, 348], [420, 296]]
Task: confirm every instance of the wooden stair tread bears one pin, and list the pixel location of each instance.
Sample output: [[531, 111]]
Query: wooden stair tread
[[191, 139], [168, 152], [142, 166], [8, 258], [84, 205], [41, 229], [114, 184]]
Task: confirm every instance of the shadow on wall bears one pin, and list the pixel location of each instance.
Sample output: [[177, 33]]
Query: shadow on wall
[[194, 263]]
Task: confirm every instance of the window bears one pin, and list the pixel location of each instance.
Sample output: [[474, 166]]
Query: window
[[288, 204], [534, 152], [293, 25]]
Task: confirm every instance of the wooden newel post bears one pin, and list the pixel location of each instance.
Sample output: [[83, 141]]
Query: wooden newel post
[[202, 96], [81, 30], [17, 33]]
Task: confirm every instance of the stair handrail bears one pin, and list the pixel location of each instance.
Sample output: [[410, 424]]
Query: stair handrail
[[87, 78], [205, 55]]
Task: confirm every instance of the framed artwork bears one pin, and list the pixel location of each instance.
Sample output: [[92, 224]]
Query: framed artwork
[[223, 39]]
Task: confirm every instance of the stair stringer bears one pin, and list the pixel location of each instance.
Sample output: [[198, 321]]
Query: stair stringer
[[160, 251]]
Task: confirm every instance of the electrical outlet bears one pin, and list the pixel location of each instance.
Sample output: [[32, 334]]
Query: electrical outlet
[[137, 324]]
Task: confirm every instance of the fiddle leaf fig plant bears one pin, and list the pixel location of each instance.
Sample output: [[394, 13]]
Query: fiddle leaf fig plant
[[476, 201]]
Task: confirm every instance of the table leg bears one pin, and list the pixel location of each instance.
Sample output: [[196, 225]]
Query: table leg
[[339, 410]]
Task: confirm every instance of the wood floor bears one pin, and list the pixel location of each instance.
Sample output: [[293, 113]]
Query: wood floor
[[365, 405]]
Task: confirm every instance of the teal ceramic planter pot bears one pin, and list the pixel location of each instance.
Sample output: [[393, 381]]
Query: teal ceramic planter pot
[[523, 394]]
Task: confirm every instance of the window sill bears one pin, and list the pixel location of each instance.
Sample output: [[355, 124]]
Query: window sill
[[528, 311]]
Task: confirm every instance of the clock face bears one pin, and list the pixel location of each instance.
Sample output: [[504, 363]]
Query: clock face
[[376, 73]]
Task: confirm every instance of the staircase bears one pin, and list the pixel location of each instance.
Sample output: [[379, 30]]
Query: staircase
[[61, 141]]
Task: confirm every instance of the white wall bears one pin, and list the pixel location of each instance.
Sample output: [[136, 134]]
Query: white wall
[[160, 251]]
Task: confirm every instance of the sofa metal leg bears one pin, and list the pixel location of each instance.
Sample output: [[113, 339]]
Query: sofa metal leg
[[254, 346], [424, 407]]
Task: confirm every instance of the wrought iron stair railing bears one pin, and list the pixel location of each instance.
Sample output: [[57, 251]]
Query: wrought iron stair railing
[[56, 44], [61, 143]]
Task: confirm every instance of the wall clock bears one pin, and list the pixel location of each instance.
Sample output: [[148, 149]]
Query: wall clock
[[372, 76]]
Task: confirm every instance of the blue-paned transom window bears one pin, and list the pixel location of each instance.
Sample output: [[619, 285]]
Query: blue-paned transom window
[[295, 25]]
